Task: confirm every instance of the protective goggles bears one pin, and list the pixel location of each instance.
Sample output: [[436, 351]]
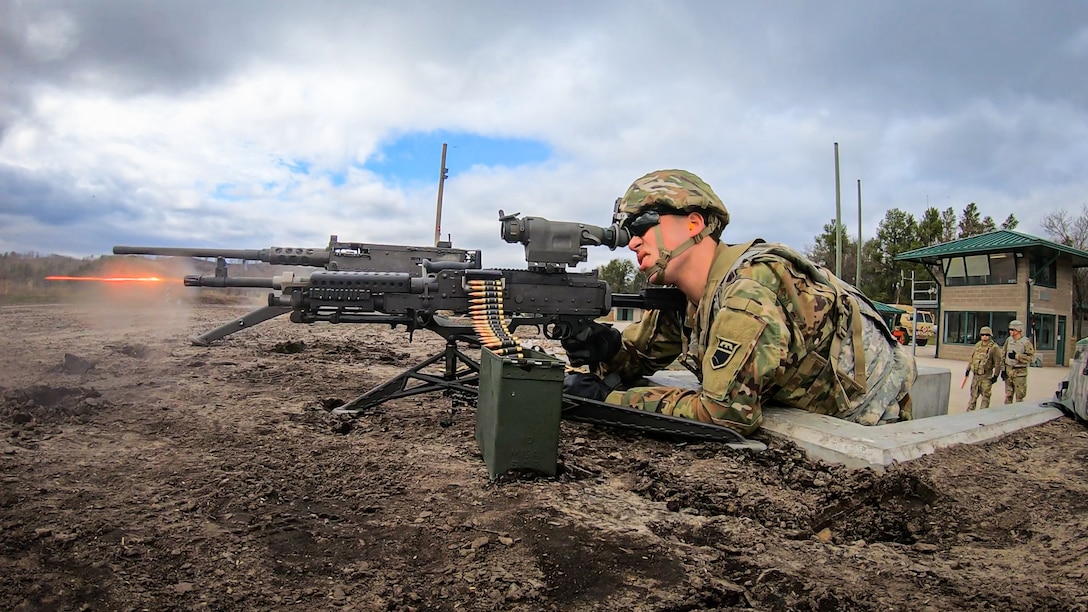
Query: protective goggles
[[640, 224]]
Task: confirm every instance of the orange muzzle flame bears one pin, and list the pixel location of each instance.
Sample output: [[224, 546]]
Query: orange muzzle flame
[[112, 279]]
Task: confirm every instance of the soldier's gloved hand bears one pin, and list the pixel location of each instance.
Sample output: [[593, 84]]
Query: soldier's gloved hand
[[589, 386], [994, 379], [593, 344], [1004, 375], [1012, 355], [966, 372]]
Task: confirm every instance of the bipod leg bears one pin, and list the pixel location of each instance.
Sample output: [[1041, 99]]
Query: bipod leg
[[454, 377], [245, 322]]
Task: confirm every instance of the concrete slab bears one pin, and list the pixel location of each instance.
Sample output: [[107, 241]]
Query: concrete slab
[[858, 446], [841, 442]]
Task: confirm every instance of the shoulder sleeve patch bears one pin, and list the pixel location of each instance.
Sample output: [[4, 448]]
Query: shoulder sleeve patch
[[733, 339], [723, 353]]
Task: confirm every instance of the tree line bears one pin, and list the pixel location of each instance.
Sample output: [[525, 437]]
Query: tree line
[[898, 232]]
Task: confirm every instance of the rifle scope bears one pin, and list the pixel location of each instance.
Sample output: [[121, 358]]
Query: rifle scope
[[558, 244]]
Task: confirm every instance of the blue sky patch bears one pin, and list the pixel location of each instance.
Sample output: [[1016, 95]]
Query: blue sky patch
[[296, 166], [225, 191], [415, 157]]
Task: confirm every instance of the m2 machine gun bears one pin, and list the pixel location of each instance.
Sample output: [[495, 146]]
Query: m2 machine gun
[[338, 256], [425, 288]]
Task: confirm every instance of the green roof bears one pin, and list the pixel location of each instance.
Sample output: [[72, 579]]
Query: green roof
[[883, 308], [993, 242]]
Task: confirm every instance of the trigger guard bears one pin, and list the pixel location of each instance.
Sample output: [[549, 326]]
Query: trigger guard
[[559, 330]]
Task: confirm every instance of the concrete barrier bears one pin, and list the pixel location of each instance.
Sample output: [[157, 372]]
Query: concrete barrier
[[929, 395]]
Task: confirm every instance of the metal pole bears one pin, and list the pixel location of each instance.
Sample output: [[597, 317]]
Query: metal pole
[[914, 316], [838, 217], [857, 279], [438, 211]]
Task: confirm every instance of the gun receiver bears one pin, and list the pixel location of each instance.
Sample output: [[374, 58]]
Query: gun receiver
[[558, 303]]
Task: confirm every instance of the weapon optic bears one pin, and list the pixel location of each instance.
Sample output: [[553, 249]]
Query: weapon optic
[[554, 245]]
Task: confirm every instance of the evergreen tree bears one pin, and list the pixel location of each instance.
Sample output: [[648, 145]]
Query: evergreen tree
[[948, 222], [971, 223], [823, 251], [931, 228], [897, 233], [1010, 222]]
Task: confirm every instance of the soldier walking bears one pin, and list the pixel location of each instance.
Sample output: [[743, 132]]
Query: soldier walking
[[986, 365], [1019, 353]]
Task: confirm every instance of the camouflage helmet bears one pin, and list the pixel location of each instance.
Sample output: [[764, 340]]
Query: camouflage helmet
[[1017, 325], [985, 331], [675, 189]]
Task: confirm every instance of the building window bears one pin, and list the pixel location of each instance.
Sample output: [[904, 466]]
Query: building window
[[625, 314], [1044, 273], [962, 327], [992, 269], [1043, 327]]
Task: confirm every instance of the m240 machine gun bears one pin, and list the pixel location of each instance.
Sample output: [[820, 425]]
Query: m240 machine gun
[[497, 301]]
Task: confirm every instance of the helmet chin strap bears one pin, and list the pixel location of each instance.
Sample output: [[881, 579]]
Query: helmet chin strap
[[657, 271]]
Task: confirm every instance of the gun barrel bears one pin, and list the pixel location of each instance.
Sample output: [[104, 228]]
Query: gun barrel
[[289, 256], [247, 254], [230, 281]]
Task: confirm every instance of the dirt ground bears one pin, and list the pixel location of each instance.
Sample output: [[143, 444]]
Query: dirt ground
[[140, 472]]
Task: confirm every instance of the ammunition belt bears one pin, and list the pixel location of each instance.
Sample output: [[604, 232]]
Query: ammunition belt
[[485, 308]]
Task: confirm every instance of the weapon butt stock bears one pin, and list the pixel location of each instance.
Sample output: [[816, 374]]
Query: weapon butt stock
[[652, 298]]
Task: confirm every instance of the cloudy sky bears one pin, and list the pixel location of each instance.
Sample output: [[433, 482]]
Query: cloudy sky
[[249, 124]]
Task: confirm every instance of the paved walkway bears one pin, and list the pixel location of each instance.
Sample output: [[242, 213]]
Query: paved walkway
[[1042, 382]]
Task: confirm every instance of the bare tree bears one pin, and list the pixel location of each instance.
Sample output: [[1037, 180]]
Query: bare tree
[[1064, 228]]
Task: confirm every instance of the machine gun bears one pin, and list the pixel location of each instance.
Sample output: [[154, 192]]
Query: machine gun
[[545, 295], [338, 256]]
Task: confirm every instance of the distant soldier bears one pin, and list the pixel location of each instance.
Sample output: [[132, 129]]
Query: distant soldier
[[986, 364], [1019, 353]]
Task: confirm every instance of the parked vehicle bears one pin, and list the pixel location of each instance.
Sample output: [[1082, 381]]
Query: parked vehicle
[[926, 326]]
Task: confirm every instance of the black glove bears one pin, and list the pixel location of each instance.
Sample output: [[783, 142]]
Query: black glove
[[589, 386], [593, 344], [994, 379], [1004, 376], [1012, 355], [966, 372]]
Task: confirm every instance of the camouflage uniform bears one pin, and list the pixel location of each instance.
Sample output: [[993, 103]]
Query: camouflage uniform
[[985, 366], [771, 327], [1016, 368]]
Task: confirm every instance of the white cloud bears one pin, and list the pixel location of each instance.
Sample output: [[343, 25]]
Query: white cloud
[[181, 121]]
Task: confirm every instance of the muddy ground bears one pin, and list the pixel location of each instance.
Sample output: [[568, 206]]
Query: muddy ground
[[140, 472]]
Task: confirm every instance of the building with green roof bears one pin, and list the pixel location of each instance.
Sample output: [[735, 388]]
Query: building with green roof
[[992, 279]]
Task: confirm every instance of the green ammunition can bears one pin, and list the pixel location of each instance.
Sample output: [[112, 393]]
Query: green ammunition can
[[517, 415]]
